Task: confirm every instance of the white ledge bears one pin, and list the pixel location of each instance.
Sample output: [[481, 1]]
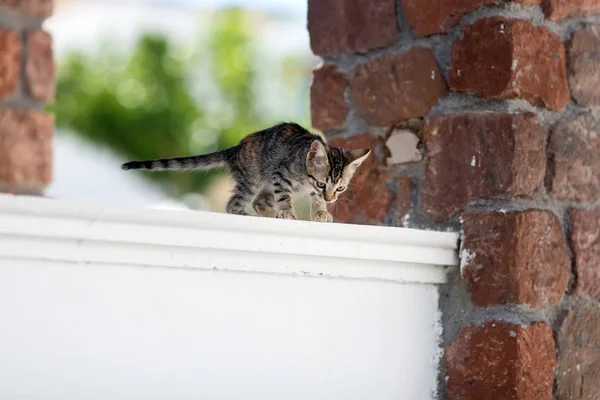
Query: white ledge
[[34, 228]]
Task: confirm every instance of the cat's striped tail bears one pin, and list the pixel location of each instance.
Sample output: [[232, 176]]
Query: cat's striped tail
[[202, 162]]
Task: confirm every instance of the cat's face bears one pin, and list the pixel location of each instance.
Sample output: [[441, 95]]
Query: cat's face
[[330, 169]]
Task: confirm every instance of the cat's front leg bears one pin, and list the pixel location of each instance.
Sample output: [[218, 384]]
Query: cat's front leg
[[264, 203], [282, 191], [318, 210]]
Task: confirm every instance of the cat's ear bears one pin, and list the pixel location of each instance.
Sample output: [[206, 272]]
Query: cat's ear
[[356, 157], [317, 155], [353, 160]]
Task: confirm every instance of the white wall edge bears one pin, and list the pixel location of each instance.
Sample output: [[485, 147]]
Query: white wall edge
[[63, 231]]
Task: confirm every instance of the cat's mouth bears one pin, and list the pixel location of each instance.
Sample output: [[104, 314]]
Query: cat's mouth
[[329, 199]]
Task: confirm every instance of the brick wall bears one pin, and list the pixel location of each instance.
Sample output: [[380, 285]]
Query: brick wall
[[26, 84], [483, 115]]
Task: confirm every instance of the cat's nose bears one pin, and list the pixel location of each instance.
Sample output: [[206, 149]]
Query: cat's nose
[[328, 197]]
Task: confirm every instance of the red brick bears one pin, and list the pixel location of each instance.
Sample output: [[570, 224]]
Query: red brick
[[514, 258], [328, 107], [25, 149], [501, 361], [585, 240], [10, 61], [584, 41], [395, 87], [584, 79], [34, 8], [574, 160], [480, 156], [558, 10], [350, 26], [578, 364], [39, 66], [428, 17], [501, 58], [358, 204], [584, 67]]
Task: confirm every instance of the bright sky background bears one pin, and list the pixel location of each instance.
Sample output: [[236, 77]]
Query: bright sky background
[[78, 23], [292, 7]]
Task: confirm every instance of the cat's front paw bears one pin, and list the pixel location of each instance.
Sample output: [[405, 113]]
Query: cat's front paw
[[322, 216], [287, 214]]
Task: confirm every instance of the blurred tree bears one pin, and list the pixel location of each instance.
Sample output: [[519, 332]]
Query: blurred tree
[[161, 101]]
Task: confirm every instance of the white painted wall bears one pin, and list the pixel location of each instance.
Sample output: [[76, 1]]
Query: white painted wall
[[76, 326], [94, 332]]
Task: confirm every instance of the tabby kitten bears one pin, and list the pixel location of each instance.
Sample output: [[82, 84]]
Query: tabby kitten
[[269, 165]]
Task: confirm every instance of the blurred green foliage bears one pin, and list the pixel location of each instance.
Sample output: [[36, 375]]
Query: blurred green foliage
[[165, 100]]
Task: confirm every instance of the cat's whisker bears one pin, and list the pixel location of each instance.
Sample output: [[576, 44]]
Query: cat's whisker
[[352, 202], [345, 205], [343, 202], [304, 204], [335, 207]]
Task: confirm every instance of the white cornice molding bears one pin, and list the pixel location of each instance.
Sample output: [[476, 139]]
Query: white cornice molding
[[62, 231]]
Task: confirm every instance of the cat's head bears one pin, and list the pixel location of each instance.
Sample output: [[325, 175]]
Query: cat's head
[[330, 169]]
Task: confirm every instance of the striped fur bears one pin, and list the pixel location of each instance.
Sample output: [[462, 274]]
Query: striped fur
[[269, 165], [202, 162]]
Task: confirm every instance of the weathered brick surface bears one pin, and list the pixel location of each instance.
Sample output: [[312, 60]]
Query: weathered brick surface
[[428, 17], [10, 61], [34, 8], [574, 154], [578, 364], [480, 156], [25, 149], [501, 58], [501, 361], [350, 26], [368, 199], [557, 10], [394, 87], [585, 241], [584, 66], [328, 107], [510, 259], [514, 258], [39, 66]]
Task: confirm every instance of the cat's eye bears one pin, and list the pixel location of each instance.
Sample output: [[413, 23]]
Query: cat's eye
[[341, 188], [321, 185]]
